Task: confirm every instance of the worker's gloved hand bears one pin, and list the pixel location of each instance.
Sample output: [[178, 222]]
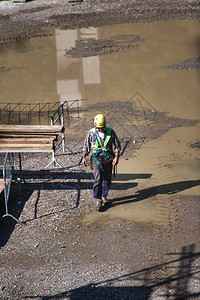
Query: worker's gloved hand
[[115, 161], [84, 162]]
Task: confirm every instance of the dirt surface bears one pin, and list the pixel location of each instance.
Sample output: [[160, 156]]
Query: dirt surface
[[22, 21], [60, 254]]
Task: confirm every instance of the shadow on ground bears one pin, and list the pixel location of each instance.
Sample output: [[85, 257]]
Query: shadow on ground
[[175, 283], [49, 180], [165, 189], [82, 181]]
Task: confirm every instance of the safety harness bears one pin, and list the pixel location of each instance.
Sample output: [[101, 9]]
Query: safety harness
[[102, 150]]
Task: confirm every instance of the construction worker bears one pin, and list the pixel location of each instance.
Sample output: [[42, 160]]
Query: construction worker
[[103, 142]]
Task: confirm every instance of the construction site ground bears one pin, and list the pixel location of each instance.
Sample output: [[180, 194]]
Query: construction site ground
[[145, 245]]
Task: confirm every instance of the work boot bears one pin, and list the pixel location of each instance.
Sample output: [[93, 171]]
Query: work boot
[[98, 204], [105, 200]]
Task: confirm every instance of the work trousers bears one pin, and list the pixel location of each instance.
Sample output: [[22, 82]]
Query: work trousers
[[102, 179]]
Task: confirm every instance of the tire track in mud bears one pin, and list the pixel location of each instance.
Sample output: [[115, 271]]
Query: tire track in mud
[[157, 210], [171, 216]]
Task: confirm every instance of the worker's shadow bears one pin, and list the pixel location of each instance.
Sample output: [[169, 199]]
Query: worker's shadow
[[127, 181], [17, 201], [166, 189]]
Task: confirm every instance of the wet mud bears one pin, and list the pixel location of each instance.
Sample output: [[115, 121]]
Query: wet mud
[[134, 126], [19, 22], [142, 72]]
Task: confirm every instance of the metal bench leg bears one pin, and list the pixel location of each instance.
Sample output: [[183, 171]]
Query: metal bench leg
[[54, 162], [11, 216]]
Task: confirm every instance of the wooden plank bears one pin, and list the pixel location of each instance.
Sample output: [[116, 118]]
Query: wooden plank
[[34, 140], [25, 146], [30, 128], [31, 132], [27, 138], [28, 135], [25, 150], [35, 127]]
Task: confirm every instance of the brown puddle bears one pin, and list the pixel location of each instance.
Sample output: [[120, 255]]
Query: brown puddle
[[38, 70], [163, 168], [137, 70], [169, 159]]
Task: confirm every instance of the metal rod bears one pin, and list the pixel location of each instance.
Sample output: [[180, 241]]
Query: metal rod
[[19, 115], [39, 115]]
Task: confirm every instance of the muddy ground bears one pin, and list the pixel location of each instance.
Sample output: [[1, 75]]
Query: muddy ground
[[22, 21], [58, 255]]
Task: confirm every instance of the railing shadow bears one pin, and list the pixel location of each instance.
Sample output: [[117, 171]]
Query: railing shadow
[[49, 180], [83, 181], [176, 283], [91, 292]]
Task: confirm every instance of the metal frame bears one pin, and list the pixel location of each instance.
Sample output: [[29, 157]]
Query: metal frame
[[27, 110], [59, 115], [8, 170], [8, 167], [54, 161]]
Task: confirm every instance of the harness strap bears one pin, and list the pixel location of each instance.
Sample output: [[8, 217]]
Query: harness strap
[[101, 148], [99, 144]]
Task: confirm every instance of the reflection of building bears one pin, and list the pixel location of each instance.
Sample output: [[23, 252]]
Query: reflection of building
[[74, 74]]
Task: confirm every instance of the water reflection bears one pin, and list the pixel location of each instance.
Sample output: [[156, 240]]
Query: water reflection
[[38, 70], [74, 74], [131, 59]]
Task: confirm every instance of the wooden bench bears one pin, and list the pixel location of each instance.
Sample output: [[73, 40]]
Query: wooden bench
[[30, 128], [26, 138]]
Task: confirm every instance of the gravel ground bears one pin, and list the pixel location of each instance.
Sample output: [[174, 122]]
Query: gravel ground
[[22, 21], [58, 255]]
